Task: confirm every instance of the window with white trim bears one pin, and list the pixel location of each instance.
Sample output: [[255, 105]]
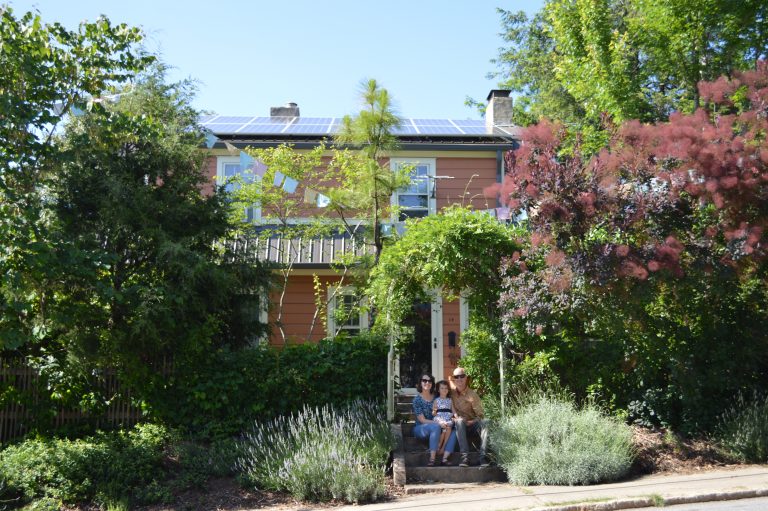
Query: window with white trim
[[346, 312], [418, 199], [229, 167]]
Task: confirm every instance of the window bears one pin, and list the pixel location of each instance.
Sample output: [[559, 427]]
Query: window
[[346, 313], [229, 167], [418, 199]]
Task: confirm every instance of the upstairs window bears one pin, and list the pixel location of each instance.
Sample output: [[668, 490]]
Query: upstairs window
[[418, 199], [228, 168]]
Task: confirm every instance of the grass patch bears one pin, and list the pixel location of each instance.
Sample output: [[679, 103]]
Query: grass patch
[[548, 440], [593, 500]]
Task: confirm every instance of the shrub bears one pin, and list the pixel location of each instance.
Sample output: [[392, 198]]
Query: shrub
[[550, 441], [105, 468], [743, 429], [320, 454], [220, 397]]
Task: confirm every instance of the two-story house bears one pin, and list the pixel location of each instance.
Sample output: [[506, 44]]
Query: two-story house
[[452, 161]]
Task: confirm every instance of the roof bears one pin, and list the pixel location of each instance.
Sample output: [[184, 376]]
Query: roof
[[314, 128]]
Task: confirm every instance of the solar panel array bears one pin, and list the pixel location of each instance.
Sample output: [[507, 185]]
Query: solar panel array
[[229, 125]]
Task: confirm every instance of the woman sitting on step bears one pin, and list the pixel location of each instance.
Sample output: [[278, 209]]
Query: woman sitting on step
[[426, 426]]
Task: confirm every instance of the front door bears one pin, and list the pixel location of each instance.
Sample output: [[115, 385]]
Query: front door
[[423, 354]]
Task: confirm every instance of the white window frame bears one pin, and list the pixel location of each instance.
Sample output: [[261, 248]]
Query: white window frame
[[431, 164], [221, 179], [333, 294]]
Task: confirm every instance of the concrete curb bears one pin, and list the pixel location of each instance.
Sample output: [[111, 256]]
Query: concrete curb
[[657, 502]]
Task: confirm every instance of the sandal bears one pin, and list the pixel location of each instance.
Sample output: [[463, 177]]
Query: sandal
[[431, 463]]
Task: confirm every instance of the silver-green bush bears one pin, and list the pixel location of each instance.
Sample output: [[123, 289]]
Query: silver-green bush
[[320, 453], [743, 429], [551, 441]]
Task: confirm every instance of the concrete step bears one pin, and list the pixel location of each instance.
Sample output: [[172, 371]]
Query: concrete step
[[404, 408], [421, 458], [455, 474], [413, 444]]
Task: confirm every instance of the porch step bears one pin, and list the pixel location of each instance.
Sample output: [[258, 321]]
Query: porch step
[[455, 474], [413, 444], [421, 458]]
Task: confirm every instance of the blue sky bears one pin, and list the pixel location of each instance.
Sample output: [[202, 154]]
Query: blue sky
[[251, 55]]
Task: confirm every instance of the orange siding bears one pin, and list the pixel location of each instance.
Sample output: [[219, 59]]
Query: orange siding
[[471, 177], [209, 170], [298, 310]]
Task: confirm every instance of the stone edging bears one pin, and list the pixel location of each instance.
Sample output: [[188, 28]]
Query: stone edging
[[398, 456], [651, 502]]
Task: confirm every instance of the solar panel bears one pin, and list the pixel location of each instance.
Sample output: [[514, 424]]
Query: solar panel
[[222, 128], [470, 123], [315, 129], [233, 120], [431, 122], [255, 129], [405, 129], [331, 125], [469, 130], [315, 120], [439, 130]]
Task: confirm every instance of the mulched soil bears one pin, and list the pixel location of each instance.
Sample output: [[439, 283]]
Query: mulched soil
[[661, 451]]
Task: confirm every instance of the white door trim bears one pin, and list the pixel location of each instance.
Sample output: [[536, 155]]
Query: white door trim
[[463, 320], [437, 337]]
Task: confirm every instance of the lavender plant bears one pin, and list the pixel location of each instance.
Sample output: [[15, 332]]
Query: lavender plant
[[743, 429], [320, 454]]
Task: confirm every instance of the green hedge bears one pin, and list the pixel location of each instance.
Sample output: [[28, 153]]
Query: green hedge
[[229, 390]]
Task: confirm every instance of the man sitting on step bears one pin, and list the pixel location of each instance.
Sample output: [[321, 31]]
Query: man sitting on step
[[469, 417]]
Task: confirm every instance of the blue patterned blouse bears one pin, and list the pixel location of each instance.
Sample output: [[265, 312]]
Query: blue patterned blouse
[[422, 407]]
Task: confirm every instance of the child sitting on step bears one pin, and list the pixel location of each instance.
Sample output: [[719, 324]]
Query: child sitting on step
[[443, 412]]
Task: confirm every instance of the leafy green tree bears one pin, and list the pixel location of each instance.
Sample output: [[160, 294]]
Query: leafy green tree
[[356, 178], [363, 184], [279, 211], [45, 70], [645, 278], [587, 62], [148, 279]]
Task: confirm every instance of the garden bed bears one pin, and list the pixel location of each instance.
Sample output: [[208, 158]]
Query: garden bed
[[658, 452]]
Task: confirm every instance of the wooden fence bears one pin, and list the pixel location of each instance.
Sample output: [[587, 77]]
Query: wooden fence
[[16, 419]]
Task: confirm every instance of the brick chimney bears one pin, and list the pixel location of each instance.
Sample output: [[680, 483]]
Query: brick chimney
[[499, 110], [287, 110]]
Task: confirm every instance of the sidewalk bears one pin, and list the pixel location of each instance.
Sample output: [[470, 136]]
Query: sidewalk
[[728, 484]]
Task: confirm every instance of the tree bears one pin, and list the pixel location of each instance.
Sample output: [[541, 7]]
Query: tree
[[648, 259], [583, 62], [353, 176], [45, 71], [147, 280], [367, 184], [279, 209]]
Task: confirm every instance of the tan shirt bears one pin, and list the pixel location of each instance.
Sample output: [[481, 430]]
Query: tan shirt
[[467, 404]]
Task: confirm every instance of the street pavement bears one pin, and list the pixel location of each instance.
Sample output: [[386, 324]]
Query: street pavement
[[745, 482]]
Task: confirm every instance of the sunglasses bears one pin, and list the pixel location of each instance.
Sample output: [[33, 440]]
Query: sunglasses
[[460, 376], [426, 380]]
